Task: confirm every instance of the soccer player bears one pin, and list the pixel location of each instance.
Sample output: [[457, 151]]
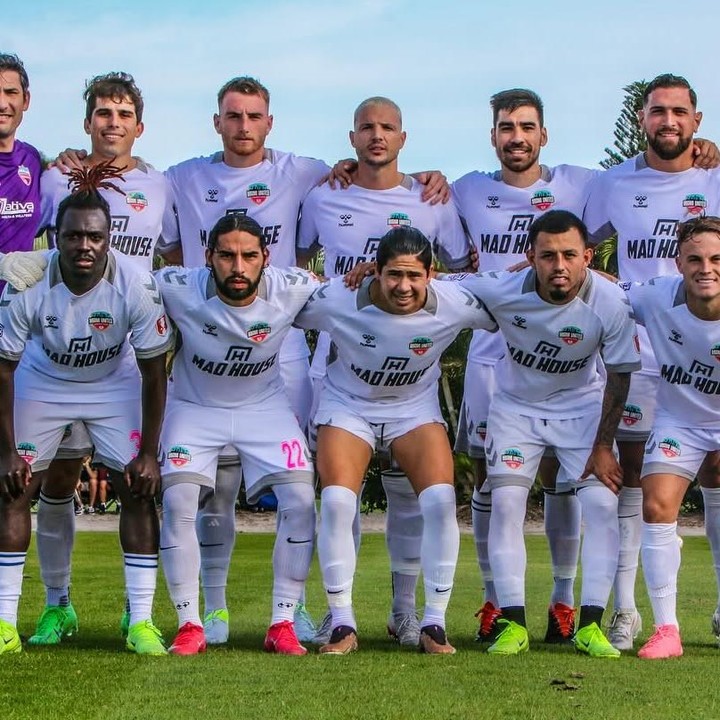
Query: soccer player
[[380, 390], [348, 224], [557, 319], [681, 314], [75, 325], [642, 200], [227, 391]]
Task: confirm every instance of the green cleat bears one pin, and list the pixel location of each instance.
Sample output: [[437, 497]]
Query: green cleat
[[144, 638], [55, 623], [512, 640], [591, 641], [9, 638], [125, 623]]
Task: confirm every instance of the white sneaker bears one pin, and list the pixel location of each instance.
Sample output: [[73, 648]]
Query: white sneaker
[[217, 627], [405, 628], [624, 627], [305, 629], [324, 631], [716, 625]]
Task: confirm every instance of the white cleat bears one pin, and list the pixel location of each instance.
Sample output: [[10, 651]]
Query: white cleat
[[322, 636], [716, 625], [405, 628], [624, 627], [217, 627], [305, 629]]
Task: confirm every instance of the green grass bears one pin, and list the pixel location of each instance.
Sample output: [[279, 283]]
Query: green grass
[[91, 676]]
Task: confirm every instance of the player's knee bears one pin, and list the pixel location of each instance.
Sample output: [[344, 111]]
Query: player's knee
[[659, 510]]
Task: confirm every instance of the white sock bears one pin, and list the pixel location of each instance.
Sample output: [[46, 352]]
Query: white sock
[[661, 562], [11, 577], [356, 526], [336, 551], [562, 528], [600, 544], [55, 538], [711, 500], [180, 550], [294, 545], [439, 550], [140, 582], [403, 535], [481, 505], [506, 544], [630, 519]]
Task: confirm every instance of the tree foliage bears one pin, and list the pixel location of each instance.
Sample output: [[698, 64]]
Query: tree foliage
[[629, 137]]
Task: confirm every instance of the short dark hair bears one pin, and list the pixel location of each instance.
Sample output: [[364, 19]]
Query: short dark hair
[[245, 86], [83, 200], [235, 221], [404, 240], [555, 222], [377, 100], [511, 100], [689, 229], [11, 62], [114, 85], [668, 80]]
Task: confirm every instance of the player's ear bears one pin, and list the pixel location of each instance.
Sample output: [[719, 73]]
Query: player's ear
[[216, 123], [266, 257], [208, 257], [543, 137], [588, 254]]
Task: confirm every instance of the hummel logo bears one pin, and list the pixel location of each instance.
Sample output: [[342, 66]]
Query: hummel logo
[[493, 201], [675, 337], [211, 195], [210, 329], [345, 220], [640, 201], [368, 341], [519, 321], [51, 321]]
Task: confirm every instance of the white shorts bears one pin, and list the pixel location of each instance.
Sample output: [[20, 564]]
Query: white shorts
[[76, 442], [516, 443], [678, 451], [472, 424], [267, 437], [639, 412], [113, 428]]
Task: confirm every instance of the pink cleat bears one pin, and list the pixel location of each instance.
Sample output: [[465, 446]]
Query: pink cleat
[[281, 639], [190, 640], [664, 643]]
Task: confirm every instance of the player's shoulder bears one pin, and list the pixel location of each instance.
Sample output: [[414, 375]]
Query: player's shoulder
[[573, 173], [29, 151], [52, 179], [475, 179], [193, 165], [296, 165], [289, 277]]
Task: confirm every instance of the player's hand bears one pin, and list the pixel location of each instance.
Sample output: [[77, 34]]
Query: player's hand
[[142, 475], [517, 267], [354, 278], [23, 269], [69, 159], [15, 475], [603, 464], [342, 173], [436, 187], [705, 154], [474, 258]]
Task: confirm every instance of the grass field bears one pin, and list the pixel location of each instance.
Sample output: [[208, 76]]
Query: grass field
[[91, 676]]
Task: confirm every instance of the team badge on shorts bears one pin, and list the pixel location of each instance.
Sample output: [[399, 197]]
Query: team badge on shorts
[[542, 200], [24, 175], [481, 430], [136, 438], [27, 451], [397, 219], [161, 325], [513, 458], [100, 320], [670, 447], [420, 345], [136, 200], [571, 334], [258, 193], [179, 455], [714, 351], [632, 414], [695, 203], [258, 332]]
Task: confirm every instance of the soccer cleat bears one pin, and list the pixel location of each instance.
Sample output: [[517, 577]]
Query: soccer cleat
[[433, 641], [9, 638], [663, 643], [488, 616], [305, 629], [217, 627], [625, 626], [125, 623], [405, 628], [190, 640], [281, 639], [55, 623], [716, 625], [561, 624], [512, 640], [343, 641], [144, 638], [322, 636], [591, 641]]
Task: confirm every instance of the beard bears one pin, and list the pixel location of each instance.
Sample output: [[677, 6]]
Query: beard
[[669, 152], [517, 164], [235, 294], [558, 295]]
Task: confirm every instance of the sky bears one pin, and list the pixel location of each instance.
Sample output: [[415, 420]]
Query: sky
[[440, 61]]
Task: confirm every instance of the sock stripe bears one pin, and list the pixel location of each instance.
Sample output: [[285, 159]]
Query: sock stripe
[[56, 501]]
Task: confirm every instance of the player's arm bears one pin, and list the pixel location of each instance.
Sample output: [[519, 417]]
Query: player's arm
[[14, 471], [705, 154], [169, 245]]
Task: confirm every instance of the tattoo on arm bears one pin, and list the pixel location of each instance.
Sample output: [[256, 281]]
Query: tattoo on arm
[[614, 397]]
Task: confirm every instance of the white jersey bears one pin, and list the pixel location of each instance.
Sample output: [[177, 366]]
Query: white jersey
[[77, 347], [349, 224], [385, 358], [687, 351], [137, 216], [550, 367], [498, 217], [228, 356]]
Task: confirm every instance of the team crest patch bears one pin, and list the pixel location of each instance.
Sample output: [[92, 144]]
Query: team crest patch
[[161, 325], [571, 334], [24, 174], [695, 203], [542, 200], [420, 345], [27, 451], [397, 219], [714, 350], [100, 320], [179, 455], [136, 200], [513, 458], [631, 414], [670, 447], [258, 332], [481, 430], [258, 193], [135, 438]]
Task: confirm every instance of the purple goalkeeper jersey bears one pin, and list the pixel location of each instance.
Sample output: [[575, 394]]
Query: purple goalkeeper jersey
[[19, 197]]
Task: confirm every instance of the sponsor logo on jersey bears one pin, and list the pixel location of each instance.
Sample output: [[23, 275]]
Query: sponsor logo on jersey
[[632, 414], [258, 193], [513, 458], [211, 195], [640, 201], [136, 200], [345, 219], [714, 350], [695, 203], [24, 175], [27, 451], [258, 332], [493, 202], [670, 447], [397, 219], [420, 345], [15, 209], [571, 334], [161, 325], [179, 455], [100, 320], [542, 200]]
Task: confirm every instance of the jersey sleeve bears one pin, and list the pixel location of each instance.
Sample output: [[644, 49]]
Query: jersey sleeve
[[597, 214], [51, 184], [317, 312], [646, 297], [308, 173], [14, 323], [150, 332], [307, 228], [474, 311], [620, 348], [453, 242], [170, 233]]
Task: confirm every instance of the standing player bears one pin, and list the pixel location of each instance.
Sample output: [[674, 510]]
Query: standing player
[[642, 200]]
